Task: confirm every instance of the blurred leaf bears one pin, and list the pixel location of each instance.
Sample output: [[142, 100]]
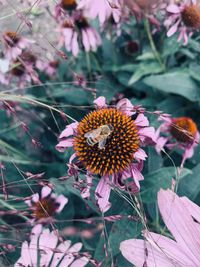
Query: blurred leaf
[[161, 178], [190, 185], [176, 83], [145, 69]]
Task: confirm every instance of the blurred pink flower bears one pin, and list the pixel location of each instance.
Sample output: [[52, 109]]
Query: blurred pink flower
[[46, 204], [181, 132], [103, 9], [182, 217], [48, 67], [14, 44], [118, 157], [183, 17], [45, 249], [77, 28]]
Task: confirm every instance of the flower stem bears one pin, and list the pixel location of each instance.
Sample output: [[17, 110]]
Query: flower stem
[[152, 44]]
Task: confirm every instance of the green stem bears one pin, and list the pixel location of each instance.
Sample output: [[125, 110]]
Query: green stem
[[152, 44]]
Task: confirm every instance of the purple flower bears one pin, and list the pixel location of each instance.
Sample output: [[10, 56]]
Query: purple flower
[[184, 17], [181, 132], [182, 217], [46, 204], [102, 9], [45, 249], [75, 28], [107, 143], [15, 44]]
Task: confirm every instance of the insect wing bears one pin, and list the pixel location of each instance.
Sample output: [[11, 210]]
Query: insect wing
[[102, 143], [93, 133]]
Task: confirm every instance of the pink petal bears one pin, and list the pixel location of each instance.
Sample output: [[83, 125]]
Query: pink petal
[[140, 154], [62, 200], [172, 30], [125, 106], [46, 190], [62, 145], [173, 9], [134, 251], [141, 121], [193, 209], [100, 102], [69, 130], [80, 262], [180, 224], [168, 247], [102, 193]]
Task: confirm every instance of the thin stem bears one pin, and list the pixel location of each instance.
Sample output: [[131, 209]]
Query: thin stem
[[152, 44]]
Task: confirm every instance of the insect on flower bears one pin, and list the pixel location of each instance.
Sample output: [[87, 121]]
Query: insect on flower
[[99, 135]]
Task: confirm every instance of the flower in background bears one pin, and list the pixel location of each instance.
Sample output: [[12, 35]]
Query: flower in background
[[4, 67], [15, 44], [77, 28], [45, 249], [49, 67], [182, 217], [184, 17], [103, 9], [64, 6], [46, 204], [107, 142], [182, 133]]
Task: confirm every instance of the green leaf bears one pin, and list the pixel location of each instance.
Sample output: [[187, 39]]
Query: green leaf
[[161, 178], [177, 83], [190, 185]]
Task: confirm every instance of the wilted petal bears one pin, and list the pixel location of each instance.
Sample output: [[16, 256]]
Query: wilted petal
[[102, 193]]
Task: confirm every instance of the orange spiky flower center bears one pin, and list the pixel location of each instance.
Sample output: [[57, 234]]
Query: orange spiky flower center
[[11, 38], [68, 4], [44, 208], [183, 129], [120, 145], [191, 16]]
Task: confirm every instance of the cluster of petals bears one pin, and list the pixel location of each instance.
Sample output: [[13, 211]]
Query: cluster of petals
[[45, 249], [46, 194], [70, 35], [107, 182], [182, 217], [174, 23], [170, 142], [103, 9]]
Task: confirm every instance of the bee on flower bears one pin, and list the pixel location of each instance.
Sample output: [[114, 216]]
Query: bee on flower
[[108, 143]]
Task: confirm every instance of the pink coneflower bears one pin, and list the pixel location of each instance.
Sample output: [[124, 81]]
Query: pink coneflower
[[46, 204], [45, 249], [15, 44], [76, 31], [103, 9], [50, 68], [182, 218], [184, 17], [182, 133], [107, 143]]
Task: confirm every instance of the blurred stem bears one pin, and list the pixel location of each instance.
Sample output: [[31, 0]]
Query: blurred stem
[[152, 44], [8, 206], [88, 62]]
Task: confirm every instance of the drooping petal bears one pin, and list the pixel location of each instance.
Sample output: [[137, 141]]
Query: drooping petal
[[102, 193], [173, 9], [69, 130], [46, 191], [62, 200], [100, 102], [125, 106]]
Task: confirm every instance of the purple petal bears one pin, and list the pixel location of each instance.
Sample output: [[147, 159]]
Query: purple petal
[[173, 9], [141, 121], [134, 251], [100, 102], [140, 154], [62, 200], [102, 194], [69, 130], [180, 224], [62, 145], [46, 190], [125, 106]]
